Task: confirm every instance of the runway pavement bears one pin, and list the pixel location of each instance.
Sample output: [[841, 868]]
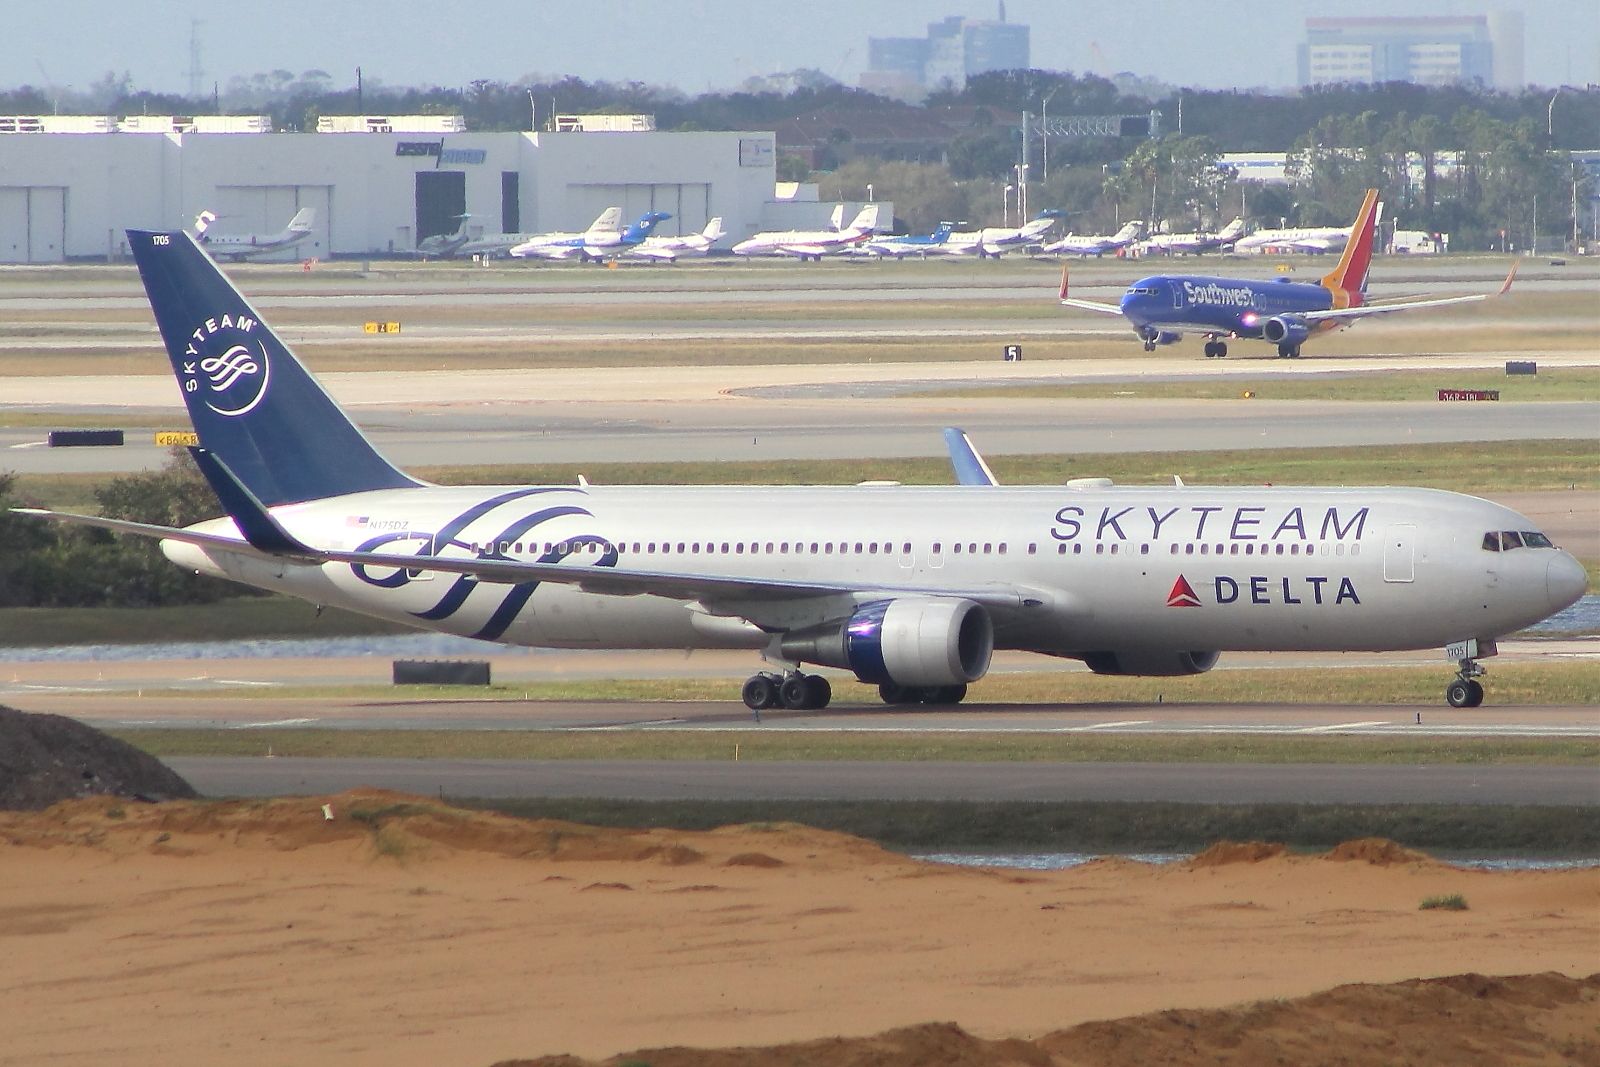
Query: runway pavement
[[925, 781]]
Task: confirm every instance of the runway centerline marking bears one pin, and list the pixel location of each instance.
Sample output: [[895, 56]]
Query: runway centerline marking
[[1336, 726], [273, 722], [1114, 725]]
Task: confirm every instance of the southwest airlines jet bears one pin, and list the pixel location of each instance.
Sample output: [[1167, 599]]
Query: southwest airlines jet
[[910, 589], [1164, 307]]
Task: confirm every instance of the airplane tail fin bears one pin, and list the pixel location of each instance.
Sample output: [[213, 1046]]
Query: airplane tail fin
[[714, 231], [1348, 280], [609, 221], [836, 219], [639, 230], [866, 218], [251, 401], [202, 223], [303, 220]]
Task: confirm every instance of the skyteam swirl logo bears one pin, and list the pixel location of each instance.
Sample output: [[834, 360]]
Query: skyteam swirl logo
[[231, 383], [228, 368], [464, 590]]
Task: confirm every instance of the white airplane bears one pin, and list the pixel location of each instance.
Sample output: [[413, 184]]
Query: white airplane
[[596, 244], [813, 244], [1314, 240], [907, 588], [444, 245], [241, 246], [668, 249], [908, 244], [608, 221], [990, 242], [1188, 244], [1094, 244]]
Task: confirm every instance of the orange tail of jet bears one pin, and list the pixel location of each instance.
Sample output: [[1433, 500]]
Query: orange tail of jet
[[1348, 281]]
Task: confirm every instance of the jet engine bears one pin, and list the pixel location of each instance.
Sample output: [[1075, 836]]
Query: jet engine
[[912, 641], [1151, 663], [1285, 330]]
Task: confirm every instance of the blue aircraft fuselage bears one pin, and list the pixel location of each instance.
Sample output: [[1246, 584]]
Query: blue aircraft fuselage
[[1226, 306]]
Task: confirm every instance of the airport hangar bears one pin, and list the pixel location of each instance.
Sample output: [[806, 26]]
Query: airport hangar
[[69, 195]]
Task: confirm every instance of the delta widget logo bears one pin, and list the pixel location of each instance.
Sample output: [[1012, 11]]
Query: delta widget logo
[[227, 364], [1182, 595]]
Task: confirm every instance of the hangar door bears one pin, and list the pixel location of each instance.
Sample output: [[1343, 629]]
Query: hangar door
[[33, 224], [441, 201], [688, 203], [268, 209]]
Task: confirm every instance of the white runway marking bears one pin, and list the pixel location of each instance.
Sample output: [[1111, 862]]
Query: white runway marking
[[1335, 727], [31, 444], [244, 681], [1112, 725], [271, 723]]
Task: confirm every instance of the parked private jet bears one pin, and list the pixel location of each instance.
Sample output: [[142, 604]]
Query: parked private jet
[[812, 244], [242, 246]]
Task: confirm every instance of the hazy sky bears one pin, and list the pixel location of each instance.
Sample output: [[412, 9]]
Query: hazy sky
[[701, 44]]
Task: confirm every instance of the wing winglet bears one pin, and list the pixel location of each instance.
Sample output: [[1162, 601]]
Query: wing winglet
[[969, 466]]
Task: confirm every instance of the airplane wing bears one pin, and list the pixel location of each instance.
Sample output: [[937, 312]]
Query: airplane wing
[[805, 250], [1368, 310], [668, 255], [1085, 305]]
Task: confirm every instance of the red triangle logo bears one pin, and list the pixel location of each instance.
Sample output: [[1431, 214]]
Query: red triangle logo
[[1182, 595]]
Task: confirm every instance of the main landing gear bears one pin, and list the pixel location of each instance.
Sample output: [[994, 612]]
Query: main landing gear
[[1216, 349], [794, 691], [1288, 351]]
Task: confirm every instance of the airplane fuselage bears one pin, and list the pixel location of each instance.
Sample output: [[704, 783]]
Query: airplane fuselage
[[1236, 307], [1127, 569]]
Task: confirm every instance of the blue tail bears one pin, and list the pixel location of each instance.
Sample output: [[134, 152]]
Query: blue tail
[[252, 403], [641, 229]]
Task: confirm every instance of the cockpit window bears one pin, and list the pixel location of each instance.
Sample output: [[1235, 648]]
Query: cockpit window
[[1506, 540]]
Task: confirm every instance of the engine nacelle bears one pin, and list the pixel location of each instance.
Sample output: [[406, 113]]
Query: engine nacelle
[[1285, 330], [1151, 663], [909, 641]]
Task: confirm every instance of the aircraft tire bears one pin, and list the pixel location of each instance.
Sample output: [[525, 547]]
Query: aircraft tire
[[946, 694], [1222, 350], [1463, 693], [760, 692], [794, 691], [890, 693], [819, 691]]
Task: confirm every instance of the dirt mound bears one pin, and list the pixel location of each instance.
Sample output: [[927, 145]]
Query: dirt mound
[[944, 1044], [407, 827], [1225, 852], [1378, 851], [45, 759], [1541, 1020]]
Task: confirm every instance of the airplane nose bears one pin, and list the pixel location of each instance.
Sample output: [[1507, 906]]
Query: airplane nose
[[1564, 581]]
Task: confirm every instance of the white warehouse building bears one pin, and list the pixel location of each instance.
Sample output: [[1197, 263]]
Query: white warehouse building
[[70, 195]]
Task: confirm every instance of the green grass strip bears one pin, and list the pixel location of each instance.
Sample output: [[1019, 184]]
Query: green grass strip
[[769, 745]]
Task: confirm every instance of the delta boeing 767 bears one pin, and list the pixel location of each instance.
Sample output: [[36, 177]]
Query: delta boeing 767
[[910, 589], [1164, 307]]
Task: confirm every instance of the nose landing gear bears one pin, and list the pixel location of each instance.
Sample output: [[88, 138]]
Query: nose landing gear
[[1466, 691]]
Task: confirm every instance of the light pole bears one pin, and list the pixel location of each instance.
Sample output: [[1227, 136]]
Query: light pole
[[1044, 130], [869, 192], [1550, 116], [1022, 193], [1005, 210]]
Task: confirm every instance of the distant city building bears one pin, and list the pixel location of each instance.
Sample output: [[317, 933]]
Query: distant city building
[[954, 49], [1424, 51]]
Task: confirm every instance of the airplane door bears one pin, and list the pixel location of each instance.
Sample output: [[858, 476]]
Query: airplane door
[[1177, 295], [1400, 554]]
